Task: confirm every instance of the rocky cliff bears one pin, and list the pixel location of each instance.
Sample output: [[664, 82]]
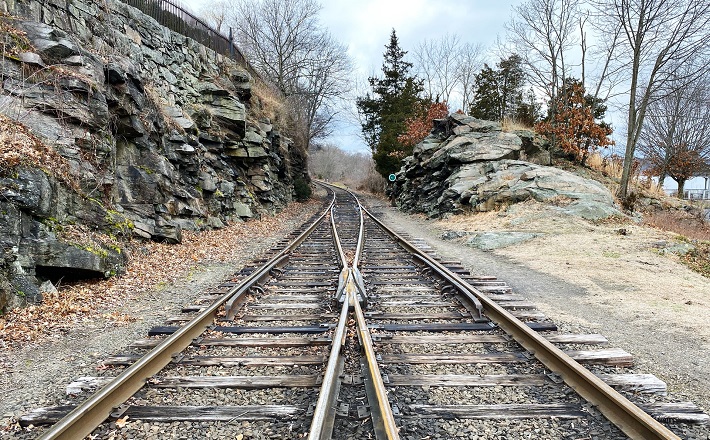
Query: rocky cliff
[[154, 134], [467, 164]]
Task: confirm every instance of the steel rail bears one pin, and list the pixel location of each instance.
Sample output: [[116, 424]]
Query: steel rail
[[336, 240], [380, 409], [324, 413], [382, 416], [631, 419], [87, 416], [383, 421]]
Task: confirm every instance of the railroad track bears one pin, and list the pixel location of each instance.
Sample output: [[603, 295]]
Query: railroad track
[[349, 331]]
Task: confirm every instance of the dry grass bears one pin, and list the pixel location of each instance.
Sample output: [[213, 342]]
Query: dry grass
[[609, 166], [510, 124], [698, 259], [680, 222], [266, 101], [160, 104], [688, 226]]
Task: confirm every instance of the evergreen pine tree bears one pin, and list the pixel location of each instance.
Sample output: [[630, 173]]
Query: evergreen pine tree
[[499, 93], [394, 99]]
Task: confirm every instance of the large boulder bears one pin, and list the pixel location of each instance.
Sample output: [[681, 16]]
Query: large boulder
[[473, 165]]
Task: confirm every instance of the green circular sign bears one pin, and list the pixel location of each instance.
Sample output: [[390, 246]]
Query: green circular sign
[[393, 177]]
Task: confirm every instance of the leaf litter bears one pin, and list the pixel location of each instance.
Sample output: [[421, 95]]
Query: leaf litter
[[151, 266]]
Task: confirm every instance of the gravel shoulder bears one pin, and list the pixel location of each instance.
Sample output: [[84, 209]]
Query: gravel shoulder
[[589, 277], [35, 374]]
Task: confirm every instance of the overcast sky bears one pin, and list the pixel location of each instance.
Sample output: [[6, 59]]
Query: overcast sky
[[365, 26]]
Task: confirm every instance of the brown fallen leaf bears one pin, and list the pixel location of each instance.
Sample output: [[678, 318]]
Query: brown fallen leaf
[[120, 423]]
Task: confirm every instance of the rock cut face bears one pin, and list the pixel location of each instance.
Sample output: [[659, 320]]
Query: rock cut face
[[473, 165]]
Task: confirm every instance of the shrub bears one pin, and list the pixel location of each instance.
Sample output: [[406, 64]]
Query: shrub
[[301, 189]]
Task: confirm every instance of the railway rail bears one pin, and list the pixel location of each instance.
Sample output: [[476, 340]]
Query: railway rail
[[351, 331]]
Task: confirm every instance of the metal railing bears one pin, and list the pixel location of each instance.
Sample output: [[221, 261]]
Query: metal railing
[[177, 18], [696, 194]]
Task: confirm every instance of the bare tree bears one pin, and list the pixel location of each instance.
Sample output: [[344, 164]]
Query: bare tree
[[657, 36], [470, 62], [321, 85], [216, 13], [448, 68], [675, 139], [543, 32], [284, 41], [354, 169], [436, 62]]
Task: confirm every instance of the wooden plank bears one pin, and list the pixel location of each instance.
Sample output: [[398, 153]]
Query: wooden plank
[[426, 296], [368, 268], [518, 304], [417, 303], [610, 356], [214, 413], [457, 339], [285, 306], [427, 289], [45, 416], [87, 383], [458, 380], [477, 339], [682, 412], [526, 314], [577, 339], [402, 283], [304, 284], [167, 330], [237, 382], [243, 342], [455, 358], [502, 411], [413, 316], [294, 317], [456, 327], [228, 361], [434, 327], [274, 297], [637, 383], [614, 357]]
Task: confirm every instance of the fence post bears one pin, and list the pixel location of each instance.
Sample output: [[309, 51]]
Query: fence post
[[231, 42]]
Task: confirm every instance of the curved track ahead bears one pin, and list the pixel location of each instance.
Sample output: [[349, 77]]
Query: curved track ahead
[[352, 332]]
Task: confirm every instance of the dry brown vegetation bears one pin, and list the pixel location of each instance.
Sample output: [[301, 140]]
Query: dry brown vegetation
[[511, 124], [266, 101], [19, 147], [151, 266], [691, 227]]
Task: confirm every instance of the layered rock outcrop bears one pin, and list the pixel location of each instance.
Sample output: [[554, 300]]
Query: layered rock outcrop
[[468, 164], [160, 135]]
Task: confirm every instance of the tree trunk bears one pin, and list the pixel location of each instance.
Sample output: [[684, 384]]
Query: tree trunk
[[681, 187], [661, 179]]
